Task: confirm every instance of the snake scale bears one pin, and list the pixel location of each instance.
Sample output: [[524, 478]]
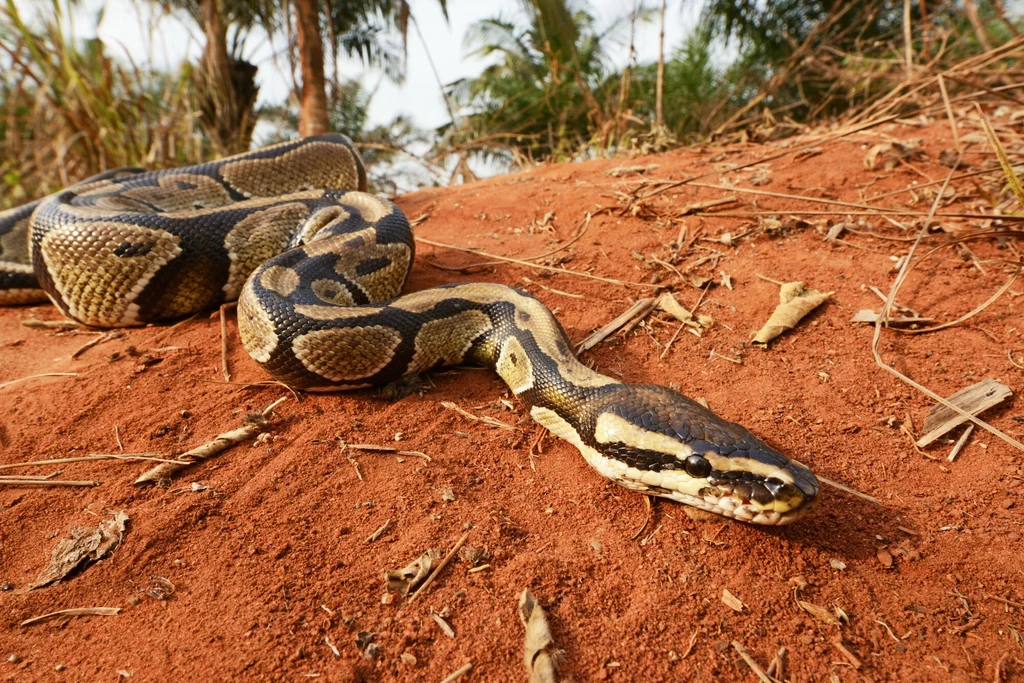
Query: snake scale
[[316, 264]]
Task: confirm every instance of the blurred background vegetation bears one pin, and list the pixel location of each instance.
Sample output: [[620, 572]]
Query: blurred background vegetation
[[547, 89]]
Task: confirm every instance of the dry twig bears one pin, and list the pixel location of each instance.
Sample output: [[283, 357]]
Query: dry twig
[[44, 374], [209, 449], [440, 567], [74, 612]]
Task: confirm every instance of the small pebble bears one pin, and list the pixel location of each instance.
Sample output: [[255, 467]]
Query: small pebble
[[14, 659], [885, 557], [409, 658], [186, 414]]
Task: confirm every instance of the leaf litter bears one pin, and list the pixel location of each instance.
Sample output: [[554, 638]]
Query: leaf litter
[[83, 547]]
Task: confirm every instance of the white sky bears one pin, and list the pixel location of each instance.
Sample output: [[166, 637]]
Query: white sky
[[138, 30]]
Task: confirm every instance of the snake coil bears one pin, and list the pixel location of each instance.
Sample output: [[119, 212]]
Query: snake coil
[[316, 265]]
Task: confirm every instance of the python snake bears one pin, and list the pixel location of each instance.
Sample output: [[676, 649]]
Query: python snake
[[316, 264]]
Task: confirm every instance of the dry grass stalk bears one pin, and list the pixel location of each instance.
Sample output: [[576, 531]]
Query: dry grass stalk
[[385, 449], [44, 374], [380, 530], [45, 483], [440, 567], [222, 442], [52, 324], [538, 266], [754, 666], [876, 338], [100, 338], [74, 612], [847, 489], [485, 419], [949, 113], [961, 442], [87, 458], [539, 654], [634, 314], [552, 289], [458, 673], [224, 339]]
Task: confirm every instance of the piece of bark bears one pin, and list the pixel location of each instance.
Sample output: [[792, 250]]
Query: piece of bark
[[974, 399], [84, 546], [638, 311]]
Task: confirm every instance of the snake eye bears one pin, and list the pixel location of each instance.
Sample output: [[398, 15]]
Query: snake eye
[[697, 466]]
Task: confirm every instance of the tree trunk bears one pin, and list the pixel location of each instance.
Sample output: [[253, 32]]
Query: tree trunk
[[660, 83], [226, 88], [313, 107]]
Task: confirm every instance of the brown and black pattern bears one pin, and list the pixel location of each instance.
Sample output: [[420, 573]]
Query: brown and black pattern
[[317, 265]]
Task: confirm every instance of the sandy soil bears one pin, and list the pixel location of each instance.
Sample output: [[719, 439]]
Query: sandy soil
[[267, 548]]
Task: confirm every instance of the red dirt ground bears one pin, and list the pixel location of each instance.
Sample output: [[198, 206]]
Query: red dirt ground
[[271, 561]]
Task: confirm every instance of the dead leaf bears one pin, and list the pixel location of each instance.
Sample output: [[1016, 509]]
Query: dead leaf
[[761, 177], [474, 556], [974, 400], [732, 601], [698, 281], [795, 303], [668, 303], [893, 152], [84, 546], [405, 579], [539, 653], [818, 612]]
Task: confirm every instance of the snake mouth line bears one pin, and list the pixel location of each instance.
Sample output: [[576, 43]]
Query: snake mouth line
[[744, 510]]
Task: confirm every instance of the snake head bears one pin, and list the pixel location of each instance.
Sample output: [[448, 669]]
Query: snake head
[[652, 439]]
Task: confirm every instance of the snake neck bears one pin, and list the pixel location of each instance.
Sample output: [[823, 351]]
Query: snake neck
[[527, 347]]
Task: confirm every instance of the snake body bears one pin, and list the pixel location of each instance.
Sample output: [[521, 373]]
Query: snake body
[[316, 265]]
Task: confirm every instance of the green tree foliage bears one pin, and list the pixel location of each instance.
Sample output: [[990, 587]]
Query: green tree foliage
[[546, 91], [696, 90], [68, 110]]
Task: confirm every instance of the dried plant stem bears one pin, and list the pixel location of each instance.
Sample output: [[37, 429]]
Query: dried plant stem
[[847, 489], [552, 269], [44, 374], [222, 442], [887, 307], [45, 483], [224, 340], [74, 612], [88, 458], [458, 673], [754, 666], [949, 113], [440, 567]]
